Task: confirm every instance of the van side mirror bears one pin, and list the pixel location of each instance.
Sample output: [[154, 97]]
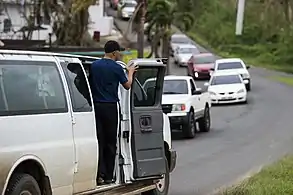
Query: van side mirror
[[247, 67], [212, 69]]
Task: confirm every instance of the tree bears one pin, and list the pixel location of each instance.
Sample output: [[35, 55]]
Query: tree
[[161, 16], [70, 19]]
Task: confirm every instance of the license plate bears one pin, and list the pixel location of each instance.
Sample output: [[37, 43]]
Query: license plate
[[227, 98]]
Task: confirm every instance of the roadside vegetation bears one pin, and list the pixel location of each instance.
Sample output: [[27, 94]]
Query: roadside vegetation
[[267, 36], [271, 180], [133, 55]]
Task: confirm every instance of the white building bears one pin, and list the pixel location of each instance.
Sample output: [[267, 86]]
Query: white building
[[12, 19]]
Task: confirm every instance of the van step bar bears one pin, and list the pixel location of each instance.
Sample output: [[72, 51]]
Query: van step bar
[[131, 189]]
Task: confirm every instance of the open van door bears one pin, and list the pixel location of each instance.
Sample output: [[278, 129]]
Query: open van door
[[147, 142]]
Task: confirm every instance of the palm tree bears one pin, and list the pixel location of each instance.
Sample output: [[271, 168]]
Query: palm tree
[[161, 16]]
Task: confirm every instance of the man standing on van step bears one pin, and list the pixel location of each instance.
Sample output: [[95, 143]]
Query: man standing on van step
[[106, 75]]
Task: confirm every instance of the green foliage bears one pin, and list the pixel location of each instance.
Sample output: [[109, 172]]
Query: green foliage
[[268, 28], [272, 180], [70, 20]]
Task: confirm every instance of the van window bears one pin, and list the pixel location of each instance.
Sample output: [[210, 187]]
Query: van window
[[78, 87], [30, 87], [139, 94], [145, 75]]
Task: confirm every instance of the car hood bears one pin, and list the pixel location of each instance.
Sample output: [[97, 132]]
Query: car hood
[[184, 57], [174, 99], [238, 71], [174, 45], [203, 66], [128, 9], [226, 88]]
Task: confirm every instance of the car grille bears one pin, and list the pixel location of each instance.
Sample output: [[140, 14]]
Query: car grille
[[167, 108], [226, 93]]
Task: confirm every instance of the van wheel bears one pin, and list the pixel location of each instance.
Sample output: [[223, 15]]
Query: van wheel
[[23, 184], [189, 129], [205, 122], [162, 185]]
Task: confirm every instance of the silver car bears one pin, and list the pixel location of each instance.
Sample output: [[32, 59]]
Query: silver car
[[183, 53], [178, 39]]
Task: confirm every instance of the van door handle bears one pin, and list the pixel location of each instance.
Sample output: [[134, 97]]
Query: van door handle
[[145, 123]]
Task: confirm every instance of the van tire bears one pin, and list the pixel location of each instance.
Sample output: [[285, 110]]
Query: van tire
[[204, 123], [23, 182], [158, 190], [189, 128]]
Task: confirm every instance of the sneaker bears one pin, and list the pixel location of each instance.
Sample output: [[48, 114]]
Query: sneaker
[[100, 181]]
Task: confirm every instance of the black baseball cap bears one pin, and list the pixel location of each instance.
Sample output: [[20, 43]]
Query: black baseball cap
[[112, 46]]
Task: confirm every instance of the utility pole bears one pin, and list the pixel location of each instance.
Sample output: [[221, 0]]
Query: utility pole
[[240, 17], [140, 35]]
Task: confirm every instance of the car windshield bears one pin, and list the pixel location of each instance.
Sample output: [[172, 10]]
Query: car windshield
[[178, 40], [129, 5], [170, 86], [225, 80], [204, 60], [188, 50], [229, 65]]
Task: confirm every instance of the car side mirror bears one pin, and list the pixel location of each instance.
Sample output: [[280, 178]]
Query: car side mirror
[[212, 69], [206, 84], [245, 81], [247, 67]]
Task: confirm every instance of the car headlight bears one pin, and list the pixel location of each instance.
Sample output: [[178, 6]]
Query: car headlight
[[240, 91], [124, 13], [212, 93], [178, 107]]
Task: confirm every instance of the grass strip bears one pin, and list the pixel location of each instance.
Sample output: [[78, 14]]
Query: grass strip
[[275, 179]]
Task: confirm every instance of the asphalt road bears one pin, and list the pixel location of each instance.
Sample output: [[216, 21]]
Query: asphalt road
[[243, 137]]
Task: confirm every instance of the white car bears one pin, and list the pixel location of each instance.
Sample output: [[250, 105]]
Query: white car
[[234, 65], [48, 140], [126, 9], [227, 88], [178, 39], [185, 104], [183, 53]]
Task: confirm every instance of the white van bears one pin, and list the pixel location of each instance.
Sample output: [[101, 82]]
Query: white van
[[48, 142]]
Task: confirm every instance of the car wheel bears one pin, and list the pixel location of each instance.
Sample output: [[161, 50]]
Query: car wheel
[[205, 121], [162, 187], [23, 184], [248, 86], [189, 129]]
